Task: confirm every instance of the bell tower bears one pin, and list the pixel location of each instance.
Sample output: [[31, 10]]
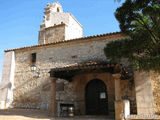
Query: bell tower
[[58, 26]]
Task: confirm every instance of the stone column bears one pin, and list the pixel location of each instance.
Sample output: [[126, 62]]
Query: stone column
[[117, 86], [118, 102], [53, 106]]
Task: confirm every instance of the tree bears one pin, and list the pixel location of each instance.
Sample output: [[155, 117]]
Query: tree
[[140, 19]]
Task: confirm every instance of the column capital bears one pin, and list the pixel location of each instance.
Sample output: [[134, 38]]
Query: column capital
[[116, 76]]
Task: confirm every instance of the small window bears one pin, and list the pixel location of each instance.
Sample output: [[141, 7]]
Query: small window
[[33, 59]]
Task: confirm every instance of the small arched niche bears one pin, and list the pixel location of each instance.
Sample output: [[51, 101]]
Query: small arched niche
[[57, 9]]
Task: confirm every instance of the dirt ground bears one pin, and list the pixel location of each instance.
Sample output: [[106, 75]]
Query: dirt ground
[[33, 114], [24, 114]]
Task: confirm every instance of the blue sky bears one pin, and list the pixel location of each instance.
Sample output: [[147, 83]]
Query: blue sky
[[20, 20]]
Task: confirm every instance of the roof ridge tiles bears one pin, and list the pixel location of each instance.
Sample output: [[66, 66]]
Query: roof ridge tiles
[[64, 41]]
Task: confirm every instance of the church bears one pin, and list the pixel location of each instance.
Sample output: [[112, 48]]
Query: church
[[66, 70]]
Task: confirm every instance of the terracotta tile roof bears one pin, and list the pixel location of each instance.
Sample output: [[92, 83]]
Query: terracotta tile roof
[[69, 71], [66, 41], [86, 65]]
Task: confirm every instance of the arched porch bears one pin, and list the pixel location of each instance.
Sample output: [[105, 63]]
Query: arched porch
[[79, 76]]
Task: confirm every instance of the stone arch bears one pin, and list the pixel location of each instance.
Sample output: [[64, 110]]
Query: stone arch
[[80, 81], [56, 7]]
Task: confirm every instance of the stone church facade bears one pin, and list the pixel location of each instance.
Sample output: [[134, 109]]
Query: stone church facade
[[66, 68]]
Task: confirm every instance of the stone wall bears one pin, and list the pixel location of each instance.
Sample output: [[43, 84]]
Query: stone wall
[[55, 33], [80, 82], [61, 32], [74, 92], [156, 91], [33, 92], [51, 29]]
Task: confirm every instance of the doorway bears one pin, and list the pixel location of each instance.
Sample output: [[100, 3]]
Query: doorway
[[96, 98]]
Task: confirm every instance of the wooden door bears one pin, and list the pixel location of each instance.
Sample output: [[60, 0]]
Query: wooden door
[[96, 98]]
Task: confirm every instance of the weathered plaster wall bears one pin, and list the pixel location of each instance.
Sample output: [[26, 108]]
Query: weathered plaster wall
[[147, 92], [56, 18], [74, 29], [144, 93], [7, 84]]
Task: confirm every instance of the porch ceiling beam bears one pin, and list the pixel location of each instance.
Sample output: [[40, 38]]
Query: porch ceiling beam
[[69, 72]]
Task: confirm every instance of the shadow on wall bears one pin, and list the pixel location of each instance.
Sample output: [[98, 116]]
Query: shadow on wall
[[28, 94], [8, 85], [4, 92]]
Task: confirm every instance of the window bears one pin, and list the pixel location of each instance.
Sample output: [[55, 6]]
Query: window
[[33, 58]]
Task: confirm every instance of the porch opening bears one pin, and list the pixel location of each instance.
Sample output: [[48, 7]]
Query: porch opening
[[96, 98]]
